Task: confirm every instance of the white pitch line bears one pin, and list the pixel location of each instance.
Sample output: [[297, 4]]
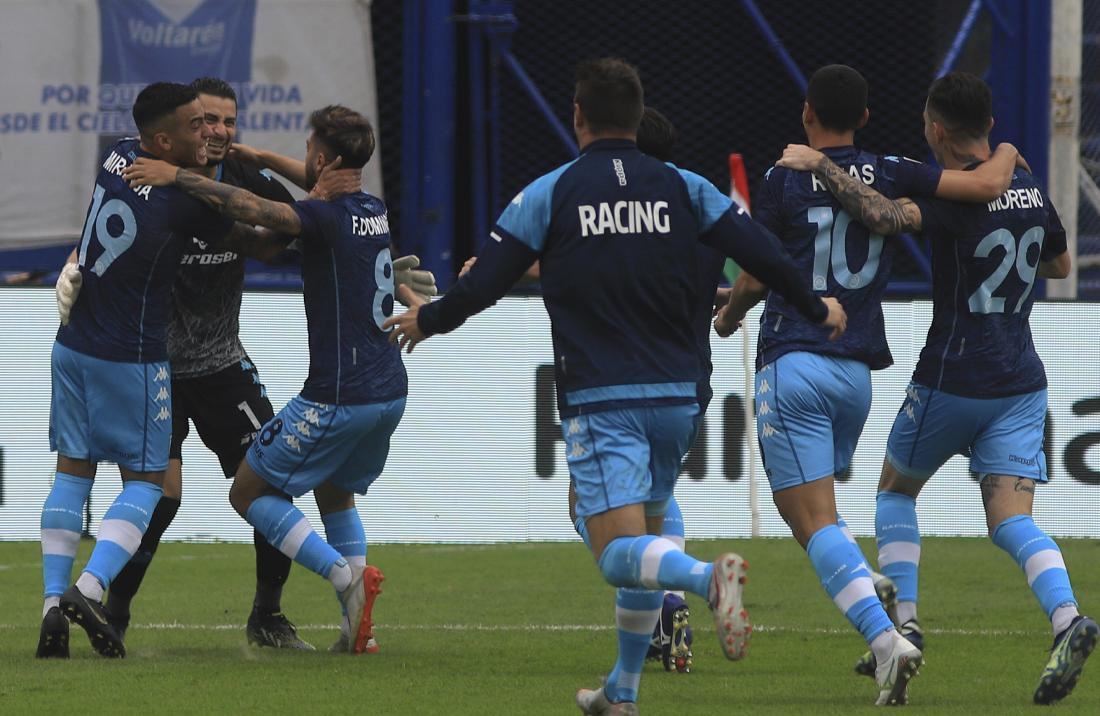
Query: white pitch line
[[178, 626]]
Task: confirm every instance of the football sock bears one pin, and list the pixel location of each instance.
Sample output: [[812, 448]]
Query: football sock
[[652, 562], [272, 571], [128, 581], [287, 529], [636, 613], [672, 528], [899, 547], [61, 523], [344, 531], [851, 538], [120, 535], [846, 579], [1039, 557]]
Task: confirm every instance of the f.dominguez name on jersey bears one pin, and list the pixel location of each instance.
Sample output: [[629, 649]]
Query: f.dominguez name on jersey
[[372, 225]]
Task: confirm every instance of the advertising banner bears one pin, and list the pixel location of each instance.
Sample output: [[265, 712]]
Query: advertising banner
[[72, 68], [478, 456]]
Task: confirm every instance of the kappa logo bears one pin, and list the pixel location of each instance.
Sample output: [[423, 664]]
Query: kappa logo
[[574, 426], [293, 442], [164, 414], [162, 394], [577, 450], [312, 417], [765, 409], [518, 200], [911, 391], [910, 412], [768, 430], [764, 387], [202, 244], [162, 373], [303, 428]]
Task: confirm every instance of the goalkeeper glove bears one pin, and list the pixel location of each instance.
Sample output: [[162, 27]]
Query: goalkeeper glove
[[421, 282], [67, 289]]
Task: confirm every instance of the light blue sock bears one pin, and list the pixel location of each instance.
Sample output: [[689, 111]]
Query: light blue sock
[[1039, 557], [636, 613], [846, 579], [651, 562], [898, 543], [344, 531], [62, 521], [122, 528], [288, 530], [672, 528]]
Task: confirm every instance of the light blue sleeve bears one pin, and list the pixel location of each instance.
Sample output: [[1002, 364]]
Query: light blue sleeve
[[709, 203], [527, 217]]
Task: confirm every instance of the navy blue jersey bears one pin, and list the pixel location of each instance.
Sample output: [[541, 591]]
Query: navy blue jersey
[[348, 277], [984, 263], [617, 234], [836, 255], [128, 255]]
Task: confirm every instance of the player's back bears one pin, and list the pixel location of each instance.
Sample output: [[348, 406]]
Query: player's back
[[348, 276], [620, 277], [985, 259], [128, 253], [838, 256]]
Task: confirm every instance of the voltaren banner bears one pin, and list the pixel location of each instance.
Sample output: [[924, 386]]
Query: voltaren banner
[[72, 68]]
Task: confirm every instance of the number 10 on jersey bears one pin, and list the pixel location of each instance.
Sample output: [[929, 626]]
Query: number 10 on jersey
[[831, 249]]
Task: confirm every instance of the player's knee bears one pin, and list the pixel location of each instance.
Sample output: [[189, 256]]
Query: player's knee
[[241, 497]]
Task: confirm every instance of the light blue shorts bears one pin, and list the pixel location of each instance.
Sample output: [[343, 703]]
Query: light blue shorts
[[627, 456], [810, 411], [309, 443], [102, 410], [1001, 436]]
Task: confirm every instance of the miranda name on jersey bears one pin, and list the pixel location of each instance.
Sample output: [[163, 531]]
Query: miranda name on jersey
[[624, 217]]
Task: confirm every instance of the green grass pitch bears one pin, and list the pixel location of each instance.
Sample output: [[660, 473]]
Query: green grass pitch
[[518, 628]]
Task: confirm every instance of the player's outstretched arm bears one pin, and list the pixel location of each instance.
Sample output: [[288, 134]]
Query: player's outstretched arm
[[231, 201], [262, 244], [292, 169], [987, 182], [879, 214]]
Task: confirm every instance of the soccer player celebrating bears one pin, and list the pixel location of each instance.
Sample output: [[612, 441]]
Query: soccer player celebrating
[[334, 437], [813, 395], [615, 231], [979, 388], [111, 395]]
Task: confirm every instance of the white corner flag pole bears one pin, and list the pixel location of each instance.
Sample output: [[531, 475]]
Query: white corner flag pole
[[750, 432]]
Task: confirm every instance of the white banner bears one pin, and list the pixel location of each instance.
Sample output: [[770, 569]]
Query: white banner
[[478, 456], [72, 68]]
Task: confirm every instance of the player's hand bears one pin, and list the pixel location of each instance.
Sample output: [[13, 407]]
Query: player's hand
[[67, 289], [800, 158], [150, 172], [726, 323], [837, 318], [246, 154], [721, 298], [420, 283], [333, 181], [467, 266], [406, 331]]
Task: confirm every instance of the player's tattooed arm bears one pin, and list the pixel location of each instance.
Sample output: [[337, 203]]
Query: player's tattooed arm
[[234, 202], [879, 214], [240, 204]]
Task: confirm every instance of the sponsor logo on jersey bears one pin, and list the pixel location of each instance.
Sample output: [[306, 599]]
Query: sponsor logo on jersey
[[624, 217], [205, 259]]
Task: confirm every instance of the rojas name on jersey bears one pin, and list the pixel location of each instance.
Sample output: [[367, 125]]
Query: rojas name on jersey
[[624, 217], [864, 172]]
